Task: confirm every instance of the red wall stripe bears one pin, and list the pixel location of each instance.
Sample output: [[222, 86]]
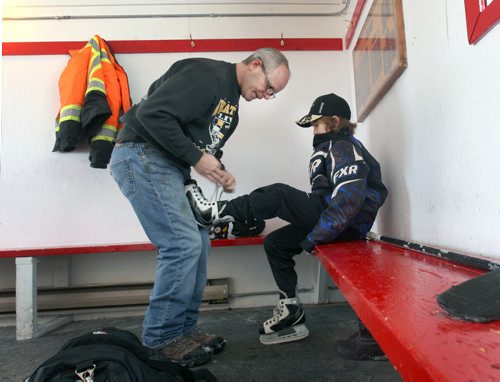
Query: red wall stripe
[[175, 46], [171, 46], [354, 22]]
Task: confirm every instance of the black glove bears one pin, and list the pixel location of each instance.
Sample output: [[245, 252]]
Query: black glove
[[307, 246]]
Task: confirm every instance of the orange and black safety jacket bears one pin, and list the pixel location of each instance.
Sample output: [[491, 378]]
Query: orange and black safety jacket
[[94, 93]]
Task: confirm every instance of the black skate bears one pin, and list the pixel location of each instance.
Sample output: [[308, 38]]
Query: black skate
[[206, 213], [361, 346], [287, 323]]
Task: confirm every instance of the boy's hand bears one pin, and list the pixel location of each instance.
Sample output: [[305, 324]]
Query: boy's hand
[[308, 247], [311, 252]]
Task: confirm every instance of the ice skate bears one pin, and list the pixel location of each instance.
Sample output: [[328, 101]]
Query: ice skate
[[361, 346], [206, 213], [287, 323]]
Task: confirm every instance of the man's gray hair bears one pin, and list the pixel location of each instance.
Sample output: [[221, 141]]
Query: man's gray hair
[[271, 58]]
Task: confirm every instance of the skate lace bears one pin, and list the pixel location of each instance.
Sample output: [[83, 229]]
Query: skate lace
[[277, 314], [214, 203], [214, 198], [217, 194], [198, 194]]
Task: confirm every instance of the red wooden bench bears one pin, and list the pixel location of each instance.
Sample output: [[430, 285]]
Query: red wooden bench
[[393, 291], [27, 325]]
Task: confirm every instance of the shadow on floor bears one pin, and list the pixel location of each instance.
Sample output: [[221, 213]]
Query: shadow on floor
[[244, 358]]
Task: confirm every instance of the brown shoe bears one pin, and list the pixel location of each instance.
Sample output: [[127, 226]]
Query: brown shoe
[[187, 352], [213, 342]]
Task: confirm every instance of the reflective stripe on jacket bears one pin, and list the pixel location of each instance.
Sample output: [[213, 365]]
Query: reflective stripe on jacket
[[94, 93]]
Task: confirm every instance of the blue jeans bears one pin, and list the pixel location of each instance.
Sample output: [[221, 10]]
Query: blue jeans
[[154, 185]]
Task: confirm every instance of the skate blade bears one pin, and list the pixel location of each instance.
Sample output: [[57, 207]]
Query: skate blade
[[293, 333]]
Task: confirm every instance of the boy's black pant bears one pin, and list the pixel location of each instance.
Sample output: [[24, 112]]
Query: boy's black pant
[[300, 209]]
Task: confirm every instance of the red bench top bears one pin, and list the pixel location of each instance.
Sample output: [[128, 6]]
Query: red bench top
[[393, 290], [131, 247]]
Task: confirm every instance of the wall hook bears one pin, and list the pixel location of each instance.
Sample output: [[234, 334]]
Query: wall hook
[[193, 44], [282, 42]]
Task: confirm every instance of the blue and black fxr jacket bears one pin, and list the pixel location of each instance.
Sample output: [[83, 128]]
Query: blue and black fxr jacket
[[343, 171]]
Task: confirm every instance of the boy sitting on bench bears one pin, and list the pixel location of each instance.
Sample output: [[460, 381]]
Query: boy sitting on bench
[[346, 193]]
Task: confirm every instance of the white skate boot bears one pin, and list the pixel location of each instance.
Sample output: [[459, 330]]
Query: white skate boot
[[206, 213], [287, 323]]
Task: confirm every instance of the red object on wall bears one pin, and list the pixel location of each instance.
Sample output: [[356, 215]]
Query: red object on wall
[[354, 22], [480, 18], [171, 46]]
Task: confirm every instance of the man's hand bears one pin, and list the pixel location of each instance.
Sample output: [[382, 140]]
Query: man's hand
[[209, 167], [229, 182]]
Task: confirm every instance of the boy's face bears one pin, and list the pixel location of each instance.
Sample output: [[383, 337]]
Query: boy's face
[[320, 127]]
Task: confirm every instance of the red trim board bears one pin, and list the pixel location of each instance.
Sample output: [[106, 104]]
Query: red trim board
[[171, 46], [354, 22], [109, 248]]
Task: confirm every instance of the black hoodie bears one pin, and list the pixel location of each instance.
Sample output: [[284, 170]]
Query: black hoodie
[[192, 108]]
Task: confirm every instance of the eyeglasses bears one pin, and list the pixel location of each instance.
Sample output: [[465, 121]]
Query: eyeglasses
[[269, 88]]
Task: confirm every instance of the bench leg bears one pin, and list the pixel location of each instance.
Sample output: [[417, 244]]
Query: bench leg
[[320, 289], [26, 298], [27, 323]]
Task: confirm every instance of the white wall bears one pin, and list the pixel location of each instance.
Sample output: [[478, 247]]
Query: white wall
[[53, 199], [58, 198], [437, 134]]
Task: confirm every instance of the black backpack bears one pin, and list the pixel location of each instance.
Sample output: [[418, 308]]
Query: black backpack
[[112, 355]]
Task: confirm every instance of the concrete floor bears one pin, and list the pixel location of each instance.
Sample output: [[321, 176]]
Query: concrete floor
[[244, 358]]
